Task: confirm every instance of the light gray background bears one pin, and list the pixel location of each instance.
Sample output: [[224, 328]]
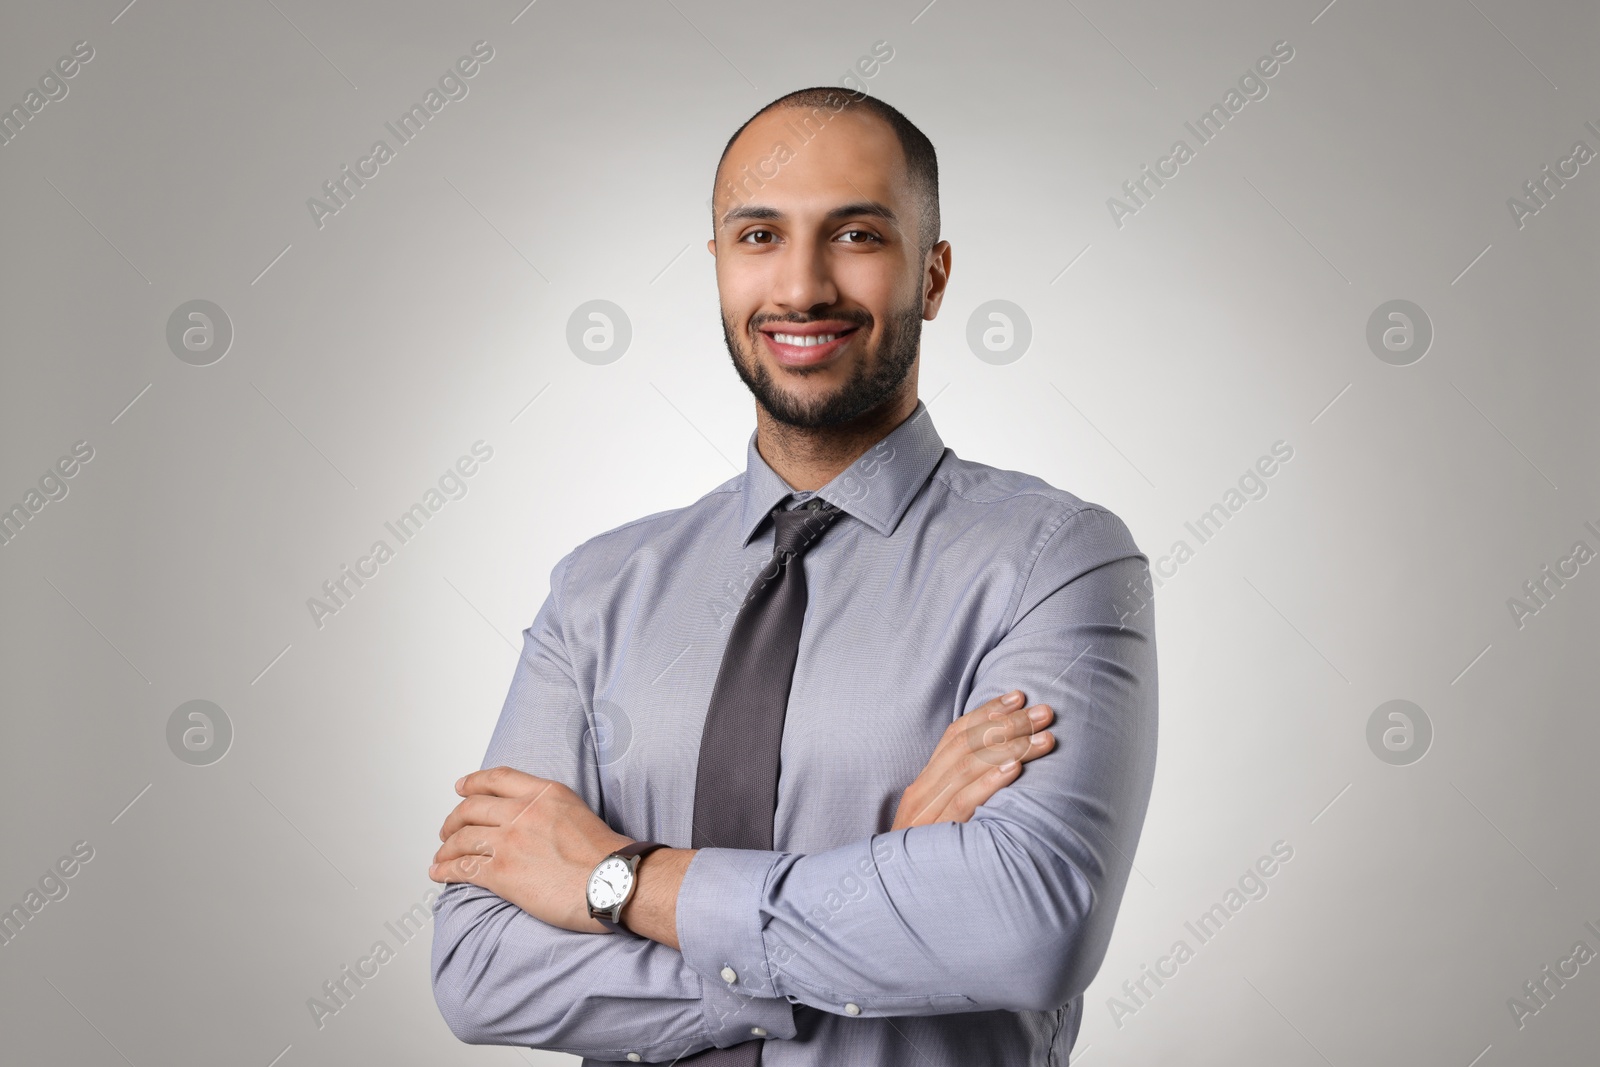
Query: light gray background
[[431, 312]]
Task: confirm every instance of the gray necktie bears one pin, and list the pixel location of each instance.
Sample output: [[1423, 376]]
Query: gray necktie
[[736, 784]]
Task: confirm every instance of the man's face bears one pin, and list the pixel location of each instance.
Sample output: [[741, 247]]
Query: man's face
[[818, 240]]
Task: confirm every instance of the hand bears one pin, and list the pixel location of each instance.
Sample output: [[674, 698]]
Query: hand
[[528, 840], [979, 754]]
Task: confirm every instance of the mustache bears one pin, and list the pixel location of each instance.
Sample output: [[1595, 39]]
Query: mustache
[[857, 320]]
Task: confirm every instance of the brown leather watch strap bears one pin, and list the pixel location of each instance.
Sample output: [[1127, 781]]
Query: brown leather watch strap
[[638, 848]]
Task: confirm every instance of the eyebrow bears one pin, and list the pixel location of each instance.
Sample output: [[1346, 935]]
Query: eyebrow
[[760, 213]]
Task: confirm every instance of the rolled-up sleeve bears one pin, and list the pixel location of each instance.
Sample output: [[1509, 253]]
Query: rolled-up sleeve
[[1013, 909], [504, 977]]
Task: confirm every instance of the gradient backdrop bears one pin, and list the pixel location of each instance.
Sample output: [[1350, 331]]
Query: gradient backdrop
[[1354, 270]]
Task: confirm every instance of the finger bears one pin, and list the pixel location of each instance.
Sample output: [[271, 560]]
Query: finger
[[974, 781], [1038, 744], [499, 781], [998, 729], [474, 841], [978, 764], [983, 751], [988, 739], [966, 803], [954, 741], [994, 708], [983, 786], [1000, 705], [950, 766], [480, 809], [463, 869]]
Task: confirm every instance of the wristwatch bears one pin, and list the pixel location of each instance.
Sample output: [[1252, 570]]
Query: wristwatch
[[612, 881]]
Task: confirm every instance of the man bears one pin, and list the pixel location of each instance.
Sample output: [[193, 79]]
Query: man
[[914, 893]]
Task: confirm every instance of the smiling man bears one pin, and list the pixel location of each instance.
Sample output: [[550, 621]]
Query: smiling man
[[766, 788]]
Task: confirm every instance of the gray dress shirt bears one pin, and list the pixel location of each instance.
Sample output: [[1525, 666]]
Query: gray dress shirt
[[945, 583]]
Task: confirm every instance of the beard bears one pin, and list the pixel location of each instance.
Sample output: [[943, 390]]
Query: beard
[[875, 379]]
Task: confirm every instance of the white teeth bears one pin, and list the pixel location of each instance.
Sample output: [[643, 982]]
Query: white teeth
[[804, 341]]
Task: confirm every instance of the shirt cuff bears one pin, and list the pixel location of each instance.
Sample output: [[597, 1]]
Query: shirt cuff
[[734, 1018], [719, 935]]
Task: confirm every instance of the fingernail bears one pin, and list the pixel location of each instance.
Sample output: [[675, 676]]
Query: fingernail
[[463, 778], [1008, 766], [1039, 740], [1039, 714], [1013, 698]]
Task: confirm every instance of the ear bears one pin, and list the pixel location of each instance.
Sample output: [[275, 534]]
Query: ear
[[711, 246], [935, 277]]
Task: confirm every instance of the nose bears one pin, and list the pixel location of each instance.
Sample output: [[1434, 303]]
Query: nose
[[804, 279]]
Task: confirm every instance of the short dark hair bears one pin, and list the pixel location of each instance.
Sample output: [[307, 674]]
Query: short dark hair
[[922, 163]]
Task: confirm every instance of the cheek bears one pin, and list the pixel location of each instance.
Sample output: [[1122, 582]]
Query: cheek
[[743, 288], [737, 308], [879, 287]]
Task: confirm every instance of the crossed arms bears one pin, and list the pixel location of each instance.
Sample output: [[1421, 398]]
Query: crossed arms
[[1010, 910]]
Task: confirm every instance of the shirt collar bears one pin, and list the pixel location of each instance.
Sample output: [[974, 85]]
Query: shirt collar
[[877, 488]]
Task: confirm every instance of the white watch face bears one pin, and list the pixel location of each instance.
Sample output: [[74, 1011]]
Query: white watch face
[[609, 883]]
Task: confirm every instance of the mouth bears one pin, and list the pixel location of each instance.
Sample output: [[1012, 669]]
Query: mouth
[[808, 344]]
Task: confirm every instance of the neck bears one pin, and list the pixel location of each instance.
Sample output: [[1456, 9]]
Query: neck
[[808, 459]]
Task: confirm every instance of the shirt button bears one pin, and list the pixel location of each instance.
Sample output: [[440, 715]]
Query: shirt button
[[759, 1031], [729, 976], [633, 1057], [852, 1009]]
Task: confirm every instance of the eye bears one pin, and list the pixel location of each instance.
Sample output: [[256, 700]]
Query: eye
[[752, 233], [863, 233]]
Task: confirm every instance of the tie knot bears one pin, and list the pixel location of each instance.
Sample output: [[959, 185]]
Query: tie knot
[[799, 528]]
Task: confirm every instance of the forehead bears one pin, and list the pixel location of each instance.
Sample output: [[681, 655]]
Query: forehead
[[805, 161]]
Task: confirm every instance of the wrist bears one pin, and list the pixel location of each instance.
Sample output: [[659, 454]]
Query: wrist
[[651, 911]]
